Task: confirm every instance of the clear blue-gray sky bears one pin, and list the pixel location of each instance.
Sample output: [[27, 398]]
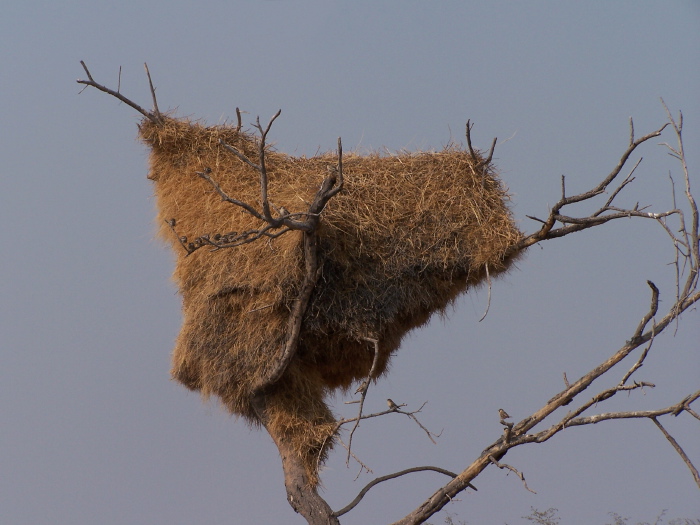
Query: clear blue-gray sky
[[92, 430]]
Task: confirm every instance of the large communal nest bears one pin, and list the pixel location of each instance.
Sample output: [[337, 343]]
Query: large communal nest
[[408, 233]]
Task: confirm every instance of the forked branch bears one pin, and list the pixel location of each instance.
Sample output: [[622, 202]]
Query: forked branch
[[604, 214], [154, 116]]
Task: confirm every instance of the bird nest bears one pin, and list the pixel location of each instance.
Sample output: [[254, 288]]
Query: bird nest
[[406, 235]]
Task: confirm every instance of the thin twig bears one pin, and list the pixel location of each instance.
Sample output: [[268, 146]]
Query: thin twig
[[512, 469], [156, 111], [363, 392], [488, 302], [359, 461]]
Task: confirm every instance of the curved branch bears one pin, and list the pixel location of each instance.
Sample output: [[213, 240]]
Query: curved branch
[[395, 475], [312, 267]]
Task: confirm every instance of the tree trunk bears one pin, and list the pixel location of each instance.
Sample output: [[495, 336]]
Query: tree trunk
[[301, 494]]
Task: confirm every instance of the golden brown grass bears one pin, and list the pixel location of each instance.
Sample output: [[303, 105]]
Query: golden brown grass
[[408, 233]]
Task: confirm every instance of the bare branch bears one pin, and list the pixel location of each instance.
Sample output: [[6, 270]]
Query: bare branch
[[488, 159], [469, 141], [240, 155], [638, 364], [692, 236], [481, 164], [156, 118], [395, 475], [548, 232], [313, 270], [631, 131], [414, 418], [512, 469], [653, 308], [262, 167], [156, 111], [351, 453], [681, 452], [686, 247], [393, 409], [363, 393], [206, 175]]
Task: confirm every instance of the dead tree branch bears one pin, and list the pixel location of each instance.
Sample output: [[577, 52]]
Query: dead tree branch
[[330, 187], [679, 450], [513, 470], [394, 410], [481, 163], [362, 390], [685, 240], [604, 214], [381, 479], [273, 226], [154, 116]]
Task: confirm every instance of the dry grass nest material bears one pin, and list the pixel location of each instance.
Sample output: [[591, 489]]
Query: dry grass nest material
[[408, 233]]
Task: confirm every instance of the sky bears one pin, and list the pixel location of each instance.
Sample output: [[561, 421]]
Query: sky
[[92, 429]]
